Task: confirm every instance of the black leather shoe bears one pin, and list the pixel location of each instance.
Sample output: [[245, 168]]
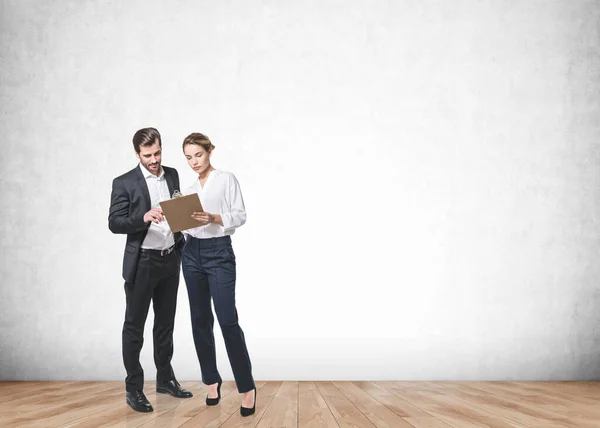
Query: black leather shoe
[[138, 402], [214, 401], [244, 411], [172, 387]]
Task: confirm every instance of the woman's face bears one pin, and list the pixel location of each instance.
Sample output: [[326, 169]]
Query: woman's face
[[197, 158]]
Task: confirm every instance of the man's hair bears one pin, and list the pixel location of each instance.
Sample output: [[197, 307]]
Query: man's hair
[[199, 140], [146, 137]]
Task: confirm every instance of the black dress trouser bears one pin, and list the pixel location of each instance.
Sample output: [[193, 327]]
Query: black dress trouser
[[157, 281]]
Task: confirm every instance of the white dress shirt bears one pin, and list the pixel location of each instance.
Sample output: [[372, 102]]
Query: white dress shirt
[[221, 195], [159, 236]]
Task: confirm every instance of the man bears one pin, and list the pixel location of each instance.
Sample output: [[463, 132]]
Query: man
[[151, 265]]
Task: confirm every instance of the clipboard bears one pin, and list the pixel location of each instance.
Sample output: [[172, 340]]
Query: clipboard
[[178, 212]]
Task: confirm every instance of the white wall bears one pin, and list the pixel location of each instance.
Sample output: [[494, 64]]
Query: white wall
[[421, 180]]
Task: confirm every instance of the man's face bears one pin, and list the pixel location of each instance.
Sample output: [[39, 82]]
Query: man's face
[[150, 156]]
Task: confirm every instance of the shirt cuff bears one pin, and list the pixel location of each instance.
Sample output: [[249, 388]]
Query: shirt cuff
[[227, 222]]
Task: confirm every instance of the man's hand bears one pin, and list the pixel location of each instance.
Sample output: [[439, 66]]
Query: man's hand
[[203, 218], [155, 215]]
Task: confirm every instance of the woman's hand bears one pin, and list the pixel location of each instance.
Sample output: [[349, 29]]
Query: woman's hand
[[203, 218]]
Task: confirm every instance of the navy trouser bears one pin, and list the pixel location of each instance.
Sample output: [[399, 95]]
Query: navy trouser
[[209, 270]]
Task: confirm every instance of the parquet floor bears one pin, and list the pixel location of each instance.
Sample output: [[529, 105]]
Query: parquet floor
[[310, 404]]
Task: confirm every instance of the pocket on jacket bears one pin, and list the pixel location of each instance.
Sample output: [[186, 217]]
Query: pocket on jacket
[[130, 249]]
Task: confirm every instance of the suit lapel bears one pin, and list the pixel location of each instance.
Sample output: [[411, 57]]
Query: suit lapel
[[144, 188], [170, 184]]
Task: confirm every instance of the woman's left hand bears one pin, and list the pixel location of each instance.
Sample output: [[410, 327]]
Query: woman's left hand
[[203, 218]]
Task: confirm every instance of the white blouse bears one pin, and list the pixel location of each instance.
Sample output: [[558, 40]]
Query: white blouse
[[221, 195]]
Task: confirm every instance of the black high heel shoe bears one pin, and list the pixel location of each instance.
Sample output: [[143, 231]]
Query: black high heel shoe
[[244, 411], [214, 401]]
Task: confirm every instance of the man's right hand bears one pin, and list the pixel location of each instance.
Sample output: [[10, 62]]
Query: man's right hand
[[154, 215]]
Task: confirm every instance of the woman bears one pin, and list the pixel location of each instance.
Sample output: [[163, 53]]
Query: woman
[[209, 270]]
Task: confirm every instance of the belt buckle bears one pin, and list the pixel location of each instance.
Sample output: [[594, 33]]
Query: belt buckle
[[166, 251]]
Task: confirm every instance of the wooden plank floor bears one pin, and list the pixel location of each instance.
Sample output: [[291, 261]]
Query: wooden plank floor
[[310, 404]]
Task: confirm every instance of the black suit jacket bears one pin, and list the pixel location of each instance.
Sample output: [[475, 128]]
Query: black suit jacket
[[129, 201]]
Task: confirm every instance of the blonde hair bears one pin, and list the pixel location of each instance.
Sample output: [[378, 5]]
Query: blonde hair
[[199, 140]]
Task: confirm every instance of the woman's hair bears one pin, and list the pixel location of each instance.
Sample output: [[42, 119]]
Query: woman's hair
[[199, 140]]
